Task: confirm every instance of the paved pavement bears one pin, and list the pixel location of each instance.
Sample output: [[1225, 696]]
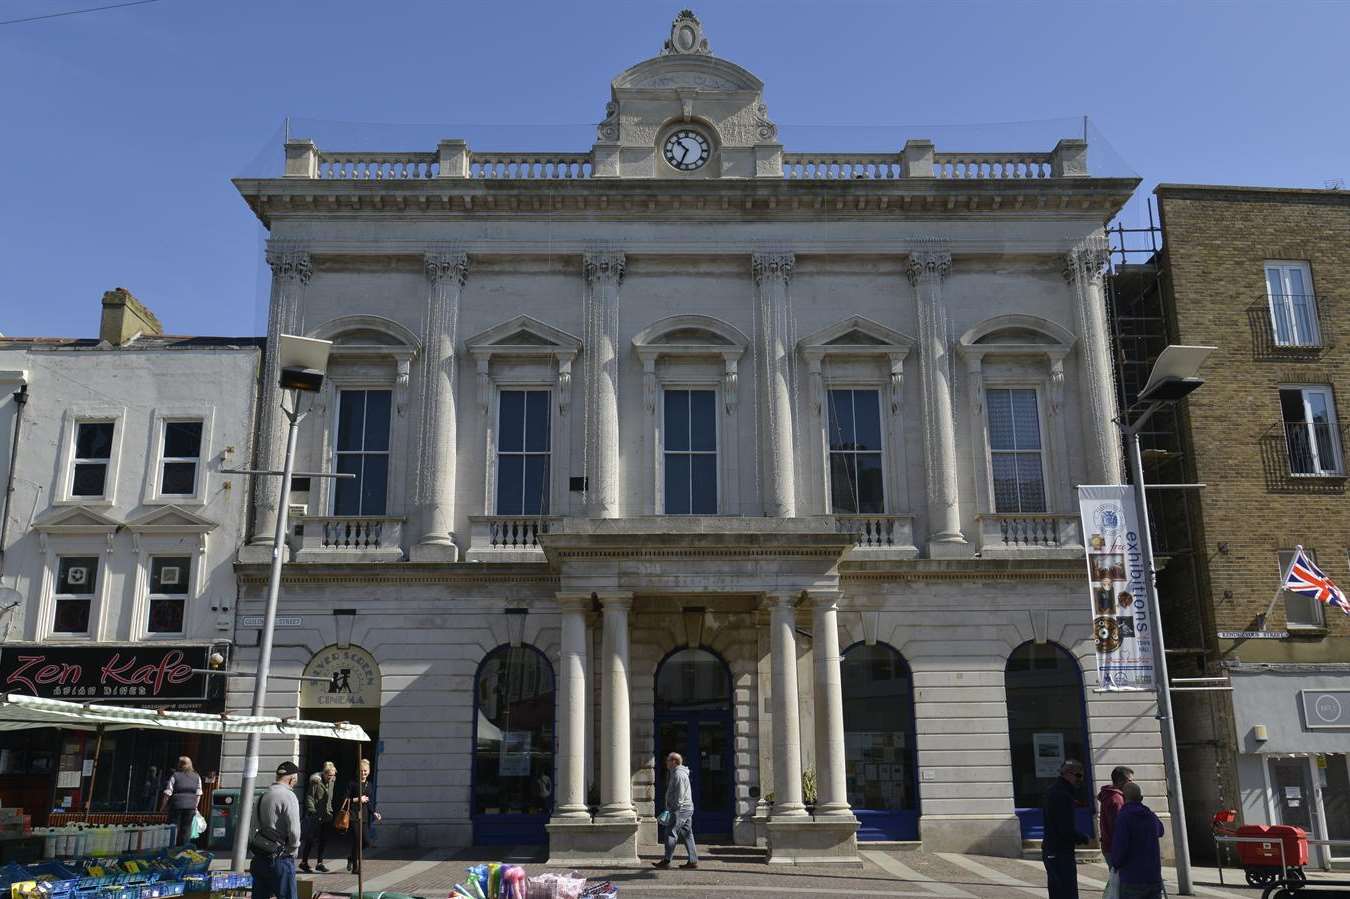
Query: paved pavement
[[737, 870]]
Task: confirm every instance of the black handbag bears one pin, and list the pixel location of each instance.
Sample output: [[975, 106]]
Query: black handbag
[[265, 842]]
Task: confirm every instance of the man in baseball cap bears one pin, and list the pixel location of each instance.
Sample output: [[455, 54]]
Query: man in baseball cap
[[279, 815]]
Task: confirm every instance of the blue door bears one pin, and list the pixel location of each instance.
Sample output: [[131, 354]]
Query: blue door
[[693, 718]]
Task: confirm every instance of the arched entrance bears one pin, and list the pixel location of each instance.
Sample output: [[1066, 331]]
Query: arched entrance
[[1047, 723], [513, 740], [693, 718], [879, 744]]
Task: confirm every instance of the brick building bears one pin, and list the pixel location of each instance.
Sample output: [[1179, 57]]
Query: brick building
[[1264, 275]]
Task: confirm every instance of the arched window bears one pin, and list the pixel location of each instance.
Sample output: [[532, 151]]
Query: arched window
[[692, 680], [693, 718], [879, 745], [513, 746], [1046, 725]]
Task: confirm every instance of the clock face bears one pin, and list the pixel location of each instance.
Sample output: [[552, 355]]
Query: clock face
[[687, 150]]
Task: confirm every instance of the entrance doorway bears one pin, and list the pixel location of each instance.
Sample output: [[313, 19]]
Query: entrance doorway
[[1334, 774], [879, 745], [693, 718]]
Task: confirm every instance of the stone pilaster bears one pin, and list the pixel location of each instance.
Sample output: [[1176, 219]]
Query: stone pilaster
[[604, 275], [435, 486], [773, 319], [787, 747], [291, 271], [928, 266], [1084, 267], [831, 780]]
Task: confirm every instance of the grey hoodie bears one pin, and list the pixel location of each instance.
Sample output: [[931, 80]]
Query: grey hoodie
[[679, 796]]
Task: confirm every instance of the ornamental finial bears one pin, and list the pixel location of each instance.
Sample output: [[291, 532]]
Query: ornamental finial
[[686, 36]]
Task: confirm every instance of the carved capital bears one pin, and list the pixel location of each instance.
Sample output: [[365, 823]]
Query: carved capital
[[897, 382], [290, 264], [1087, 260], [605, 266], [928, 265], [564, 386], [1056, 384], [729, 385], [771, 266], [686, 37], [453, 265]]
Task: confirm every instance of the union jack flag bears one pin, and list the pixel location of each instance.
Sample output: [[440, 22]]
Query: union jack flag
[[1306, 579]]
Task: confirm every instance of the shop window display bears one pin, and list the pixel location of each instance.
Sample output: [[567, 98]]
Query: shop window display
[[513, 744], [879, 742]]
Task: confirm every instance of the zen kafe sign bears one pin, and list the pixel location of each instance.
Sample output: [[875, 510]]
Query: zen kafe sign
[[351, 679], [105, 673], [1116, 587]]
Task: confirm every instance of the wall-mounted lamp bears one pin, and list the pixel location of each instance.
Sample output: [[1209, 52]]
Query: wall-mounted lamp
[[344, 620], [515, 626], [693, 625]]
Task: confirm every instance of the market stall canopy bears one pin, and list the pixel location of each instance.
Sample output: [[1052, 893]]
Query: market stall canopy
[[21, 712]]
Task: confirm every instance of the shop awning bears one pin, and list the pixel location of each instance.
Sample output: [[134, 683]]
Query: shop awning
[[21, 712]]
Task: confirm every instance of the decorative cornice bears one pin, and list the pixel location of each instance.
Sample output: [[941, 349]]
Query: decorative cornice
[[928, 264], [290, 264], [605, 265], [449, 264], [768, 266]]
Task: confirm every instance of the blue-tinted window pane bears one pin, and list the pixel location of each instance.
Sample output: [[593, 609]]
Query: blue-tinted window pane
[[377, 420], [536, 421], [1005, 483], [841, 419], [374, 484], [534, 500], [510, 470], [999, 404], [93, 440], [1030, 482], [702, 421], [351, 416], [511, 422], [871, 489], [347, 491], [1026, 423], [677, 419], [843, 483], [677, 484], [867, 419], [703, 478]]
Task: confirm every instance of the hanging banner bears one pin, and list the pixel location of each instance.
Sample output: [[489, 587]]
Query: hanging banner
[[1115, 561]]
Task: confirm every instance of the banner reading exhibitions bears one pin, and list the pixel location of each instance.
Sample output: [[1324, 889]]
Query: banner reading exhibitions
[[1120, 620]]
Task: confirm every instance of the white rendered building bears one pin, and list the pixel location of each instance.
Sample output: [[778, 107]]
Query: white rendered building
[[690, 443], [117, 542]]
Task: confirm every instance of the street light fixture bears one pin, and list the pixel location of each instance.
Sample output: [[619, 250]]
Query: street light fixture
[[302, 362], [1175, 375]]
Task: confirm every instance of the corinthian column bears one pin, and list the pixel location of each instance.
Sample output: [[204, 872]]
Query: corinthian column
[[774, 348], [291, 271], [927, 267], [604, 274], [1083, 269], [435, 487]]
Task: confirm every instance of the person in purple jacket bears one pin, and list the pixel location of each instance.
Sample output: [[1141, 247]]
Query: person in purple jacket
[[1135, 854]]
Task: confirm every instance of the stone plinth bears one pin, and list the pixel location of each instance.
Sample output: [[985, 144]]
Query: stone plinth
[[999, 835], [602, 843], [825, 840]]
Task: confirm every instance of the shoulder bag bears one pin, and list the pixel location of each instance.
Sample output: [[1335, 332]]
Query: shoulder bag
[[266, 842], [342, 821]]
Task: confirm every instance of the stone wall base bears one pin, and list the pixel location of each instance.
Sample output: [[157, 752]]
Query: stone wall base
[[999, 835], [582, 843], [831, 840]]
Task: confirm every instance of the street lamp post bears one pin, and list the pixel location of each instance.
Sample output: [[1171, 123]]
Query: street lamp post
[[1174, 375], [303, 363]]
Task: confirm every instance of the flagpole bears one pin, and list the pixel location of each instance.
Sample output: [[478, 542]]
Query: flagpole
[[1284, 579]]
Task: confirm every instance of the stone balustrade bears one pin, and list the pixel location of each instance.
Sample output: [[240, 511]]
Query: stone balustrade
[[354, 538], [1030, 535], [508, 538], [530, 166], [376, 166], [842, 166], [875, 535], [995, 166]]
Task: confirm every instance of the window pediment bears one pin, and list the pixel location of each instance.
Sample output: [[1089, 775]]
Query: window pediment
[[1017, 335], [77, 519], [171, 520], [855, 337], [691, 337], [524, 337]]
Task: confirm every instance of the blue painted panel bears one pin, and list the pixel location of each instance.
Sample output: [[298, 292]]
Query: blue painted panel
[[510, 830], [1033, 822], [886, 825]]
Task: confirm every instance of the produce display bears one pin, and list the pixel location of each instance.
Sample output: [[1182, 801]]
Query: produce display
[[152, 874]]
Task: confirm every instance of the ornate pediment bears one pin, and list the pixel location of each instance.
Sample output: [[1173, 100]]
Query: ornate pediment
[[692, 331], [858, 334], [75, 520], [700, 73], [523, 334], [171, 520]]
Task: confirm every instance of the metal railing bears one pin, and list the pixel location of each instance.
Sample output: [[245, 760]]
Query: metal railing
[[1315, 449], [1295, 321]]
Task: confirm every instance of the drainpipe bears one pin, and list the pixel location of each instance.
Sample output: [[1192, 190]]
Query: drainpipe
[[20, 401]]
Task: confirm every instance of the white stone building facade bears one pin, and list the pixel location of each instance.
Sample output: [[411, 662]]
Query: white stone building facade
[[692, 443]]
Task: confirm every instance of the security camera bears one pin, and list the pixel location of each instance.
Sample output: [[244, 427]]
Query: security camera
[[303, 362]]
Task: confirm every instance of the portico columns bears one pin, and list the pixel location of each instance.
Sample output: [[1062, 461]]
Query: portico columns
[[928, 267], [604, 274], [616, 772], [291, 271], [1083, 269], [787, 746], [570, 800], [831, 782], [435, 488], [774, 348]]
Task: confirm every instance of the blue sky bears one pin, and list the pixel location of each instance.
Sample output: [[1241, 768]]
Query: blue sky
[[120, 130]]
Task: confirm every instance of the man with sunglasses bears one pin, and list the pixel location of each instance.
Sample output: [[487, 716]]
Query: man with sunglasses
[[1061, 832]]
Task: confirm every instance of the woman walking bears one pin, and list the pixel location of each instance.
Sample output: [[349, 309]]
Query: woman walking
[[362, 808], [182, 797], [318, 817]]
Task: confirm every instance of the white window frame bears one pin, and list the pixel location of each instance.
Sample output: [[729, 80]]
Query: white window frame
[[1321, 616], [1283, 267], [74, 416], [709, 386], [145, 570], [887, 468], [172, 531], [66, 546], [330, 502], [499, 388], [153, 494], [1047, 493], [1338, 467]]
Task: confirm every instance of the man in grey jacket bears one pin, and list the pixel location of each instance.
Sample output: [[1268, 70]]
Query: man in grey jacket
[[278, 814], [680, 806]]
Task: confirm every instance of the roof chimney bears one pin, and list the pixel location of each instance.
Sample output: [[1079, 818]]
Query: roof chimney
[[125, 318]]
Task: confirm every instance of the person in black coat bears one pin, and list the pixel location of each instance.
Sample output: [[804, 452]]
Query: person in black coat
[[1061, 832], [363, 808]]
